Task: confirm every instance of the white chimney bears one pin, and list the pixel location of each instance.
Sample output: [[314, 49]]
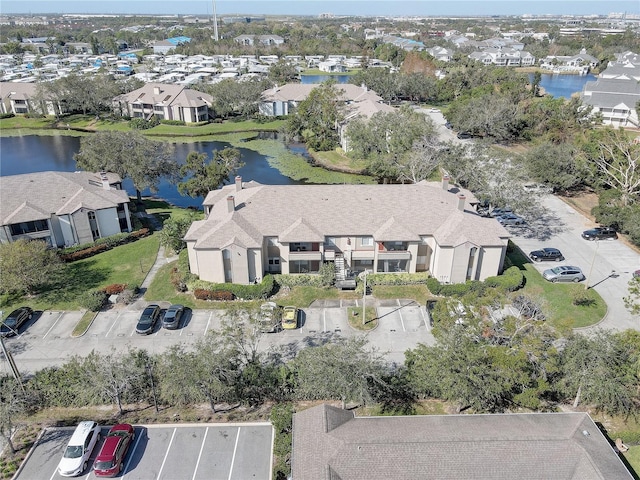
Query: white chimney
[[238, 183], [156, 90], [105, 181], [461, 201], [231, 203], [445, 183]]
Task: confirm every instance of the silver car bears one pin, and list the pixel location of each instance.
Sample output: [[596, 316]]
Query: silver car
[[565, 273]]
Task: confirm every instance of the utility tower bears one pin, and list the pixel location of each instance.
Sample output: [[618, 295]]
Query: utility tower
[[215, 22]]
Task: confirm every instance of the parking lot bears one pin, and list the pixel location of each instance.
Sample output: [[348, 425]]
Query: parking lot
[[170, 452], [46, 339]]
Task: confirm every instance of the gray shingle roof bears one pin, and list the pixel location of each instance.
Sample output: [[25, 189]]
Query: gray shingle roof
[[331, 443], [310, 212], [166, 95], [35, 196]]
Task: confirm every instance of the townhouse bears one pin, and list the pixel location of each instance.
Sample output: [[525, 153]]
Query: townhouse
[[63, 208], [251, 229]]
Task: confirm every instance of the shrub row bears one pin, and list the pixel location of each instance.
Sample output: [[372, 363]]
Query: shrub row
[[172, 122], [397, 278], [261, 290], [102, 245], [300, 280], [202, 294], [510, 281], [114, 288]]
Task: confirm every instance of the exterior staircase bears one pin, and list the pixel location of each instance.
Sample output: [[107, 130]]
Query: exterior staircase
[[341, 273]]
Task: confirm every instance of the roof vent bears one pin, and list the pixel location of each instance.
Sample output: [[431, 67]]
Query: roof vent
[[445, 182]]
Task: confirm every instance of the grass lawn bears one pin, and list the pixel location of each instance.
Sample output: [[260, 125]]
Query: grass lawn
[[338, 160], [558, 298], [124, 264], [632, 456], [354, 315], [419, 293], [163, 210]]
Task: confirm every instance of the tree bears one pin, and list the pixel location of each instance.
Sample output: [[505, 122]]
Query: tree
[[617, 158], [596, 370], [27, 265], [282, 72], [347, 370], [556, 165], [130, 155], [204, 175], [632, 301], [12, 405], [317, 118], [173, 231]]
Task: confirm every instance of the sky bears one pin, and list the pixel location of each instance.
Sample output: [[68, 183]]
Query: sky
[[314, 7]]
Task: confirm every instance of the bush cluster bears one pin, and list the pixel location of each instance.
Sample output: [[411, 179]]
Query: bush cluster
[[101, 245], [6, 115], [510, 281], [142, 124], [172, 122], [202, 294], [261, 290], [93, 300], [397, 278], [300, 280], [114, 288]]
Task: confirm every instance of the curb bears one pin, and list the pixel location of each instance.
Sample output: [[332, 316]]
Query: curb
[[29, 453], [95, 315]]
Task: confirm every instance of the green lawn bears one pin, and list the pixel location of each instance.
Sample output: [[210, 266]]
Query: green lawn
[[419, 293], [338, 160], [124, 264], [632, 456], [559, 298]]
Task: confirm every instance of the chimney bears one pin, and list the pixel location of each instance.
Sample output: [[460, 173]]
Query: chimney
[[156, 90], [231, 203], [445, 183], [105, 181], [461, 200], [238, 183]]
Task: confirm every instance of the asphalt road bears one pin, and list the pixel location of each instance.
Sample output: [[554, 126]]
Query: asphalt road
[[613, 261], [46, 339]]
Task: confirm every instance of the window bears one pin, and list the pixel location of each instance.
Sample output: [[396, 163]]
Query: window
[[367, 241], [93, 224], [29, 227]]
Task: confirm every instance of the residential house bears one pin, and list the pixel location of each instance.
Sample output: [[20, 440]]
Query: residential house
[[251, 229], [63, 208], [331, 443], [331, 66], [504, 57], [581, 63], [166, 102], [266, 40], [163, 47], [20, 98], [615, 98], [282, 100], [440, 53]]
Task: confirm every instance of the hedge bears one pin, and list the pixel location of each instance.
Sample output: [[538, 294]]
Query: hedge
[[202, 294], [261, 290], [302, 280], [101, 245], [397, 278], [510, 281]]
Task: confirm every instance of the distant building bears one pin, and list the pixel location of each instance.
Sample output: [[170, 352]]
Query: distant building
[[266, 40], [165, 46]]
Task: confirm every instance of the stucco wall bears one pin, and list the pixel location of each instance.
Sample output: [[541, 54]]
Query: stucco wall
[[108, 222]]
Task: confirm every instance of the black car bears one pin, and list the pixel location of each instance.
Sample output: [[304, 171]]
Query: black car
[[14, 321], [546, 254], [464, 135], [172, 317], [148, 320], [600, 233]]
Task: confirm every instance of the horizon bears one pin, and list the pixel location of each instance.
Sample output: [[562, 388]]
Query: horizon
[[361, 8]]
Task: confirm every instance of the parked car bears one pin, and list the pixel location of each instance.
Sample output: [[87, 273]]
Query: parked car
[[511, 219], [464, 135], [76, 456], [14, 321], [448, 125], [564, 273], [546, 254], [148, 320], [434, 110], [172, 317], [289, 318], [269, 321], [600, 233], [537, 188], [110, 460]]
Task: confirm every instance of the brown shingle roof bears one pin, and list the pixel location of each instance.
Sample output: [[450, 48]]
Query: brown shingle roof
[[559, 446], [310, 212]]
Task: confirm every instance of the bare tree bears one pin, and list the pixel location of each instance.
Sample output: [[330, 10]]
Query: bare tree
[[12, 405]]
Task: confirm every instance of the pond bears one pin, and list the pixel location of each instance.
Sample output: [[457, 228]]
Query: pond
[[33, 153], [563, 85]]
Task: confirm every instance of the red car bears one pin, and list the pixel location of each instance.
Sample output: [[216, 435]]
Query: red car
[[110, 460]]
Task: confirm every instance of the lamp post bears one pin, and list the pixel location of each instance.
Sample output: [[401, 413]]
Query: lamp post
[[593, 260], [11, 361], [364, 298]]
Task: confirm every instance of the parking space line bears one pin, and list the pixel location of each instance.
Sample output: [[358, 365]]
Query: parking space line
[[324, 319], [55, 472], [400, 313], [208, 322], [131, 452], [424, 319], [113, 324], [204, 439], [233, 458], [54, 324], [167, 453]]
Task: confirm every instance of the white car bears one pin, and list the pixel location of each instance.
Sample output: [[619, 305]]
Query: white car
[[76, 456]]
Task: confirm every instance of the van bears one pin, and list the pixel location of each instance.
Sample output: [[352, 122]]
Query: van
[[76, 456]]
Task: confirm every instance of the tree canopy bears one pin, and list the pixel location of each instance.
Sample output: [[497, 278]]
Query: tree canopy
[[204, 175], [27, 265], [130, 155]]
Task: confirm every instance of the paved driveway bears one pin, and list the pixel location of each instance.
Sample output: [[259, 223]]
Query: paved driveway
[[613, 261]]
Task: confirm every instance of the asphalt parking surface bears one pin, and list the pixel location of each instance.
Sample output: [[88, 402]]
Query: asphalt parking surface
[[46, 339], [170, 452]]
